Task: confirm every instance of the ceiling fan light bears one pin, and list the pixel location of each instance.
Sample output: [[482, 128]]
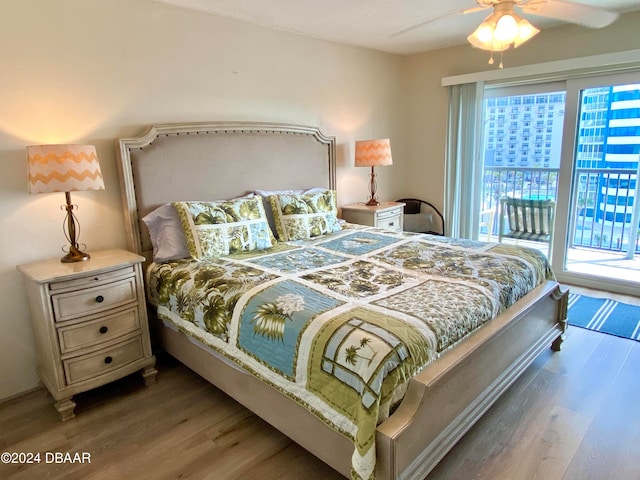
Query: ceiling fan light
[[526, 32], [484, 37], [506, 30], [502, 30]]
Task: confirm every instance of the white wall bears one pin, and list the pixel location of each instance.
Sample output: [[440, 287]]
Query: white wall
[[91, 71]]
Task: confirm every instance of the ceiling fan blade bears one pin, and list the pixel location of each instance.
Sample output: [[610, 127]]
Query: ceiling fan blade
[[435, 19], [474, 9], [579, 14]]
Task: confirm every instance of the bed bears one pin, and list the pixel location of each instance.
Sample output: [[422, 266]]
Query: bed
[[303, 290]]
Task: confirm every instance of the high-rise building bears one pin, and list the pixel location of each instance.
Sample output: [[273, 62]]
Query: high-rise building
[[609, 138], [524, 131]]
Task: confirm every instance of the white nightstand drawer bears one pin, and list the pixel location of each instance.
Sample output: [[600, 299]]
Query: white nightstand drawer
[[93, 300], [88, 334], [391, 222], [90, 366], [387, 215], [384, 214], [89, 281]]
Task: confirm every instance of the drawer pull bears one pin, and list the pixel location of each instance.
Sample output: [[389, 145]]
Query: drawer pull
[[108, 360], [104, 329], [99, 299], [391, 224]]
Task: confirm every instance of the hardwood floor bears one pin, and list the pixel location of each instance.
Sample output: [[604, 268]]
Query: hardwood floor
[[572, 415]]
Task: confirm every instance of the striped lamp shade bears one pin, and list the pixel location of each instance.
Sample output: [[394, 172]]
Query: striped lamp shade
[[373, 153], [63, 168]]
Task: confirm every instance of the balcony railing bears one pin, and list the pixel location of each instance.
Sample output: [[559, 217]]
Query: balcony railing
[[603, 202]]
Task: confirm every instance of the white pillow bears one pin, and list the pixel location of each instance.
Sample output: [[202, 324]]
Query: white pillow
[[167, 236]]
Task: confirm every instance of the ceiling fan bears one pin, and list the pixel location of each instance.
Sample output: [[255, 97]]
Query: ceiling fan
[[504, 28]]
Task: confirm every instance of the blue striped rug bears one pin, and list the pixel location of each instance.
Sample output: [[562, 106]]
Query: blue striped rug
[[604, 315]]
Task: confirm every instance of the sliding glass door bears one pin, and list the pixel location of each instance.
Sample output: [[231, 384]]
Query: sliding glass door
[[576, 142], [521, 148], [598, 217]]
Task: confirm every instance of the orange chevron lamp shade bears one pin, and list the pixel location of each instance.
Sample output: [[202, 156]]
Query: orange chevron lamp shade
[[63, 168], [373, 153]]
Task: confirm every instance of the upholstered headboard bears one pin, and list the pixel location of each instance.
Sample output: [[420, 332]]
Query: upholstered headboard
[[214, 161]]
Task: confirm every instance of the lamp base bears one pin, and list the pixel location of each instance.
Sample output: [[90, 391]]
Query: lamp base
[[72, 231], [75, 256], [373, 200]]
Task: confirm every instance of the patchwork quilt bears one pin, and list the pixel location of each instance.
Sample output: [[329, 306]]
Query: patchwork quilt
[[342, 322]]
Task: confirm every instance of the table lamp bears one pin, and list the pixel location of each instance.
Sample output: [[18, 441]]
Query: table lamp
[[373, 153], [65, 168]]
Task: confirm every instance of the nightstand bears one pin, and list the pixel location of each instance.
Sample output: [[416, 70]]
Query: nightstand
[[90, 323], [386, 215]]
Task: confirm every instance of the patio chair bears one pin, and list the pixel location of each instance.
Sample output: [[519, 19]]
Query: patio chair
[[530, 220], [422, 217], [486, 221]]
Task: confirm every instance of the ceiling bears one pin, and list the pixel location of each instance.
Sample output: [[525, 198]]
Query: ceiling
[[395, 26]]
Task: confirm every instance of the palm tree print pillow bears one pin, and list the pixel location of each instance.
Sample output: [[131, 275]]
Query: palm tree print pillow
[[303, 216], [214, 229]]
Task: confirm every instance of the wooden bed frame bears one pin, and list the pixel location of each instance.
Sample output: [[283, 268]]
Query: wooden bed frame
[[208, 161]]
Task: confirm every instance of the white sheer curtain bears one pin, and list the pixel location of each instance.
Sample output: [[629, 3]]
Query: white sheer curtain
[[463, 174]]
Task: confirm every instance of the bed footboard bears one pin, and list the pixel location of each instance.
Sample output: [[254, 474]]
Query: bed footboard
[[449, 396]]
